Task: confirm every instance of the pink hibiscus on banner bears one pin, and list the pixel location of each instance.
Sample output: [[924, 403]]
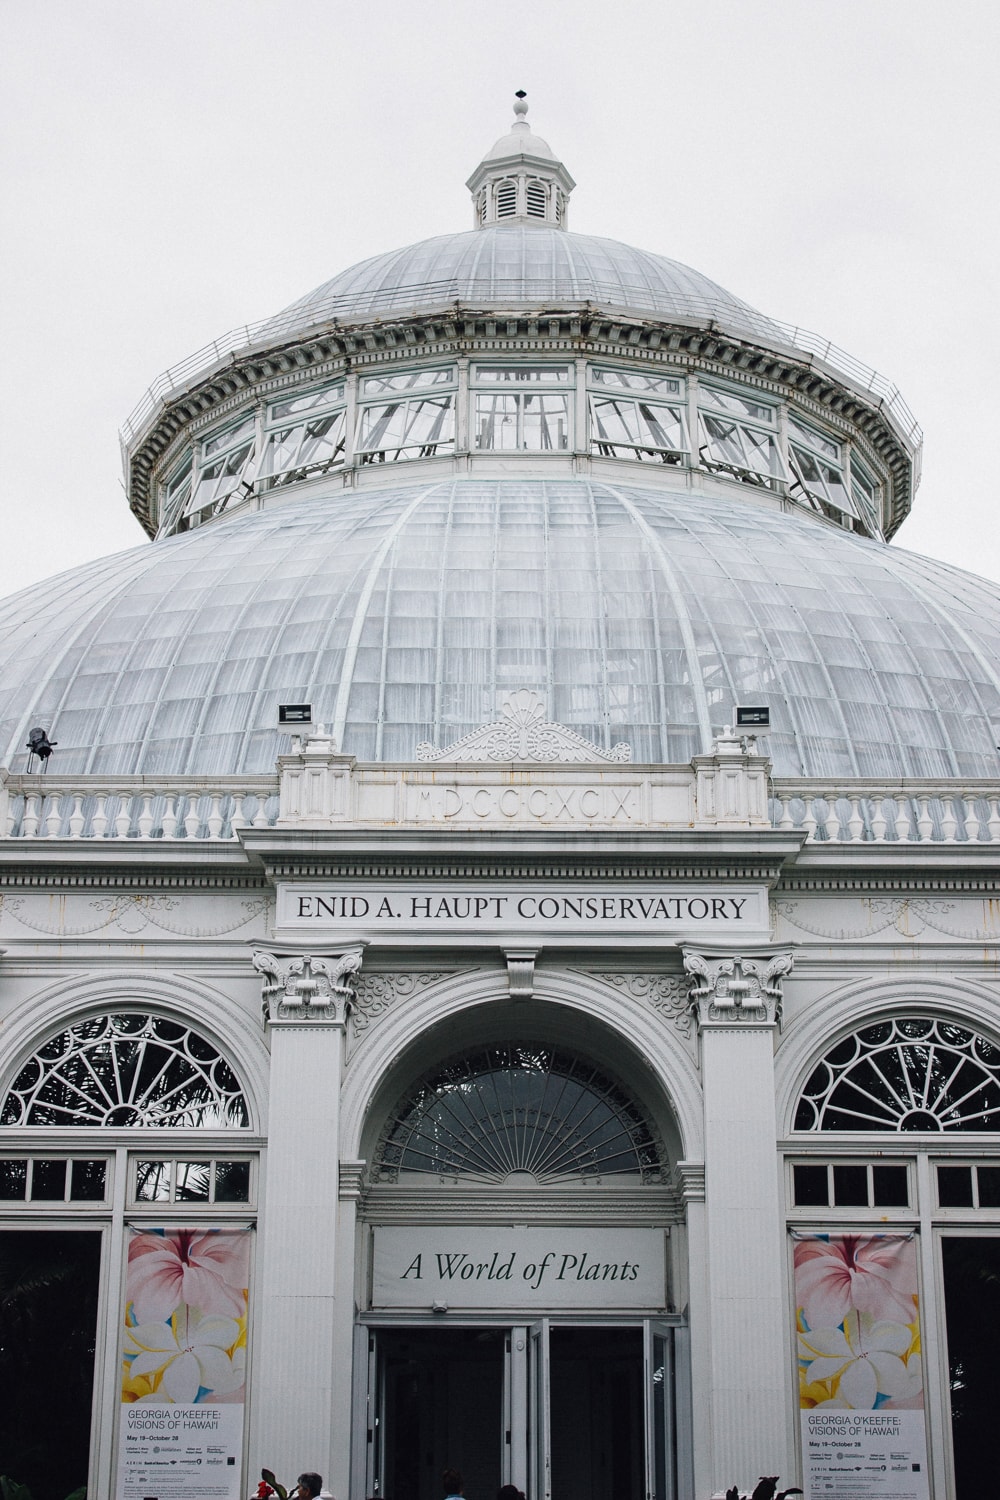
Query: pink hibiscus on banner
[[206, 1269], [854, 1273]]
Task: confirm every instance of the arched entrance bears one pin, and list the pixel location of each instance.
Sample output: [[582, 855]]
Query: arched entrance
[[519, 1242]]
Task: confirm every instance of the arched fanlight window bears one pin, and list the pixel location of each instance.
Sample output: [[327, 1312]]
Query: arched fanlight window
[[506, 200], [130, 1069], [518, 1113], [536, 196], [911, 1073]]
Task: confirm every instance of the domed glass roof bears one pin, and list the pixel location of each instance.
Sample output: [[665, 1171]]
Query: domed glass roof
[[502, 264], [401, 614]]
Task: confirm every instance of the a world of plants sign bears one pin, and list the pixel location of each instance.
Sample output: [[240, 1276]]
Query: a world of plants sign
[[183, 1365], [861, 1394]]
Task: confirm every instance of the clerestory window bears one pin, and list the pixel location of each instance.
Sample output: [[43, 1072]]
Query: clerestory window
[[225, 465], [818, 464], [305, 435], [406, 425], [536, 420], [626, 424], [739, 436]]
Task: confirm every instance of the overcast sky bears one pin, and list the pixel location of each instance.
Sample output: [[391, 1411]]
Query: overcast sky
[[174, 168]]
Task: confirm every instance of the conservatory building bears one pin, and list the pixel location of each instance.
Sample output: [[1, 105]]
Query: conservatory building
[[499, 967]]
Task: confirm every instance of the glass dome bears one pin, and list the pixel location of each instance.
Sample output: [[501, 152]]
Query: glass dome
[[639, 612], [500, 265]]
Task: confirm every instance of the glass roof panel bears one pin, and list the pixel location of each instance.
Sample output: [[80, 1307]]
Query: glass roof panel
[[418, 605]]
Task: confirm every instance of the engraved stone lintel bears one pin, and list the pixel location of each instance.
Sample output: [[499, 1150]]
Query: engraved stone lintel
[[522, 733], [520, 972], [728, 987], [309, 987]]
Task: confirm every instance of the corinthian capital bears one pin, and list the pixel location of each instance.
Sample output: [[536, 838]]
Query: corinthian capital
[[307, 986], [742, 988]]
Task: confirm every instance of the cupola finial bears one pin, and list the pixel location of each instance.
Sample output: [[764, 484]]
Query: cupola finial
[[520, 180]]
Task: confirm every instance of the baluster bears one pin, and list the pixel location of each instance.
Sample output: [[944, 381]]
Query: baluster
[[808, 817], [971, 819], [856, 821], [99, 821], [215, 816], [146, 815], [925, 823], [879, 821], [785, 806], [170, 816], [260, 815], [192, 820], [993, 822], [29, 823], [53, 822], [236, 817], [949, 822], [903, 818], [832, 820], [123, 818], [76, 818]]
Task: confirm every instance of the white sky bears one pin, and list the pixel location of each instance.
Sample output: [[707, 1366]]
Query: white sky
[[173, 168]]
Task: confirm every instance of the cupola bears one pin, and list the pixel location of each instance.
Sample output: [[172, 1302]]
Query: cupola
[[520, 180]]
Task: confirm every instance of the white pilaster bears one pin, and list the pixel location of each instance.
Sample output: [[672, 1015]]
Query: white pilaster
[[737, 998], [299, 1421]]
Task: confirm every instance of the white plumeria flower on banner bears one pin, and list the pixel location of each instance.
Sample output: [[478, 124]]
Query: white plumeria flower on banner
[[867, 1356], [190, 1361]]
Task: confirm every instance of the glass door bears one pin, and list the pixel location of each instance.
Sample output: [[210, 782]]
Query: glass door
[[660, 1391], [540, 1458], [435, 1402], [581, 1411]]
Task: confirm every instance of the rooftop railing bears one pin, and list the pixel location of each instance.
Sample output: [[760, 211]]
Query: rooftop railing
[[186, 808], [452, 296]]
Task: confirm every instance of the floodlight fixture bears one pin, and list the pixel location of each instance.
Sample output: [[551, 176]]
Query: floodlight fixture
[[41, 746], [755, 715], [294, 713]]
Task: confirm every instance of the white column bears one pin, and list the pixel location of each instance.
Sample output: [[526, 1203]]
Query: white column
[[744, 1348], [295, 1419]]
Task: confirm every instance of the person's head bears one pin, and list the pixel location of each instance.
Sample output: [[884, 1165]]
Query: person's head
[[310, 1486], [509, 1492], [451, 1480]]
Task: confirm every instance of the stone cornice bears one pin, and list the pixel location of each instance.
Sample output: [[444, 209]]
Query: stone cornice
[[587, 330]]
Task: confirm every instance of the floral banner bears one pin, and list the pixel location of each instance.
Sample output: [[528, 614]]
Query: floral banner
[[860, 1377], [184, 1364]]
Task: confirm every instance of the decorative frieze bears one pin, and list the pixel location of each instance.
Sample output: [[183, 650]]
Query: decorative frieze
[[375, 994], [308, 987], [664, 993], [522, 733], [745, 988]]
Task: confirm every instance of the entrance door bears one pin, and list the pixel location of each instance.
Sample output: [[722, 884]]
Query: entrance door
[[563, 1411], [439, 1400]]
